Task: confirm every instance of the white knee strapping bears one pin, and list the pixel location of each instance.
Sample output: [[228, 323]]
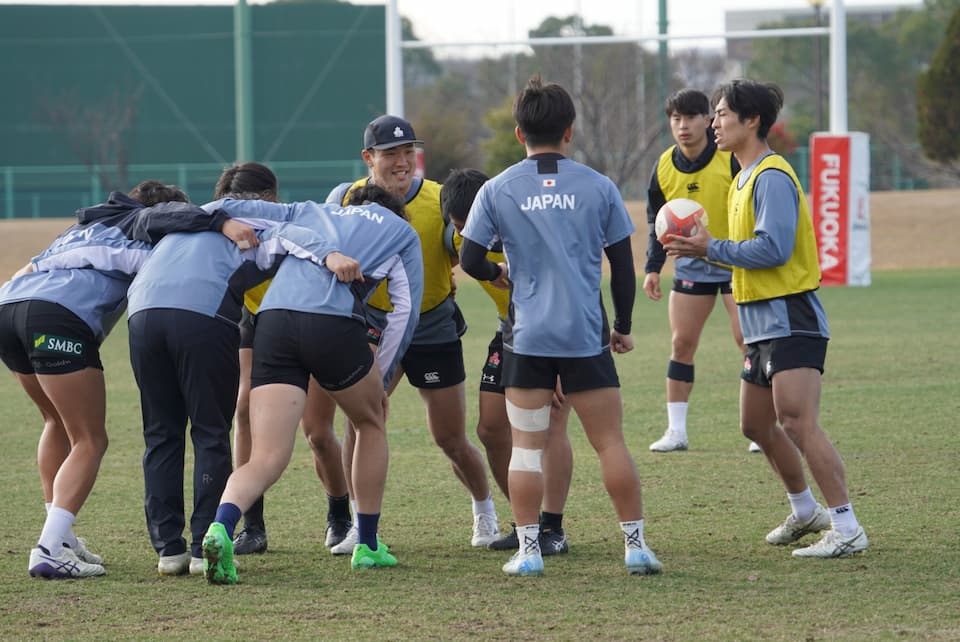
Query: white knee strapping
[[528, 420], [526, 460]]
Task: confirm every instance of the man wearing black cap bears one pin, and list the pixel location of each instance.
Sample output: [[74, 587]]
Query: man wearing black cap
[[434, 361]]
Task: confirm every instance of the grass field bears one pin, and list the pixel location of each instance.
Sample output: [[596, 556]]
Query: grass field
[[890, 403]]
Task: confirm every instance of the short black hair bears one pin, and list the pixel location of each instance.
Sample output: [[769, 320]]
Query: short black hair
[[250, 181], [151, 192], [370, 193], [749, 98], [458, 192], [543, 112], [687, 102]]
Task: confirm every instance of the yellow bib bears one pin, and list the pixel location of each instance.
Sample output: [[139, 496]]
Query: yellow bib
[[423, 211], [707, 186], [801, 272]]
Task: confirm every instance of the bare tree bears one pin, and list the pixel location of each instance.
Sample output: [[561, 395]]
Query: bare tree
[[100, 134]]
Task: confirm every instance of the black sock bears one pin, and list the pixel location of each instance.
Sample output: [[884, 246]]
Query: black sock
[[253, 518], [551, 521], [338, 508]]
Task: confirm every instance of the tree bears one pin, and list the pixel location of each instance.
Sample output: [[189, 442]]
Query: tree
[[888, 58], [448, 133], [938, 97], [502, 149], [99, 133]]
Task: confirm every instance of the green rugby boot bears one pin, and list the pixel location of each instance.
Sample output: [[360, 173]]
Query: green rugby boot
[[364, 558], [218, 566]]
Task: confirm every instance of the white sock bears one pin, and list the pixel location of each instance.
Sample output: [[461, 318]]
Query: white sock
[[803, 504], [529, 537], [677, 417], [633, 534], [484, 506], [71, 539], [353, 507], [55, 529], [843, 520]]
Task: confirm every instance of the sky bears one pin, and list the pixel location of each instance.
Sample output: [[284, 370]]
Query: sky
[[453, 21]]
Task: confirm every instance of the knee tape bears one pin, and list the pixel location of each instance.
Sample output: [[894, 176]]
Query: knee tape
[[526, 460], [528, 420], [680, 371]]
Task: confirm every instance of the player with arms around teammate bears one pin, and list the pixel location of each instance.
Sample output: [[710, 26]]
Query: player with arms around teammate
[[556, 218], [693, 168], [311, 323], [433, 363], [775, 277], [54, 316]]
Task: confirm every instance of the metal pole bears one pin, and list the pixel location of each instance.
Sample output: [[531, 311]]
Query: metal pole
[[663, 67], [817, 8], [838, 69], [243, 79], [394, 61]]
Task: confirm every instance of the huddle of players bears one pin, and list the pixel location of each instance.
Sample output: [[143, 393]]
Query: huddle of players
[[529, 380]]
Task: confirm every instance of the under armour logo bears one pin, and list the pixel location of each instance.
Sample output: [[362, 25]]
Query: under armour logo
[[633, 539]]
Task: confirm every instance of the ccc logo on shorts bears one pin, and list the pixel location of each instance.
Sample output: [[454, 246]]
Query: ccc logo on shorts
[[431, 377]]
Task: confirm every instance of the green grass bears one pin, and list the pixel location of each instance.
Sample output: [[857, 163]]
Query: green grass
[[890, 403]]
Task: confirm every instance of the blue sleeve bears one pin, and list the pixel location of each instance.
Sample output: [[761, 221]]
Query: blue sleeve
[[254, 209], [618, 225], [776, 204], [287, 238]]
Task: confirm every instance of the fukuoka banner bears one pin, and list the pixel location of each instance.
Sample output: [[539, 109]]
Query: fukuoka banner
[[840, 200]]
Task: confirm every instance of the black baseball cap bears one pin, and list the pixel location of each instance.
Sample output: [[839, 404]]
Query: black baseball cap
[[389, 131]]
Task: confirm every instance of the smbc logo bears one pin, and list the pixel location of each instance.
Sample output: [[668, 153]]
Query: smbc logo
[[51, 343]]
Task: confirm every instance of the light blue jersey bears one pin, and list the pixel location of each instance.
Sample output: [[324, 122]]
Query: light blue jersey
[[88, 268], [776, 207], [554, 217], [383, 243], [207, 273]]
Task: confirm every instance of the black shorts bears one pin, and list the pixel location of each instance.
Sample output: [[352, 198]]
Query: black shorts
[[437, 365], [40, 337], [577, 374], [490, 377], [290, 346], [248, 325], [709, 288], [766, 358]]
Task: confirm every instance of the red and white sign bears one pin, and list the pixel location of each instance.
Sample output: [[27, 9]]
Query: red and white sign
[[840, 203]]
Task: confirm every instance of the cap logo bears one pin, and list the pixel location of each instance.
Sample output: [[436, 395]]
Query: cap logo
[[397, 132]]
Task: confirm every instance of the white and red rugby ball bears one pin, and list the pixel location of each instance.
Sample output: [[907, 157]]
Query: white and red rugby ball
[[676, 217]]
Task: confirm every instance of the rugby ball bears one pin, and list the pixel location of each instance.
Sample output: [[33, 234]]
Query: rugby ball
[[676, 217]]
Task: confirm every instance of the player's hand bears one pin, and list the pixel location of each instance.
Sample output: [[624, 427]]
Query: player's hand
[[695, 246], [620, 343], [347, 269], [240, 233], [453, 284], [502, 282], [651, 285]]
